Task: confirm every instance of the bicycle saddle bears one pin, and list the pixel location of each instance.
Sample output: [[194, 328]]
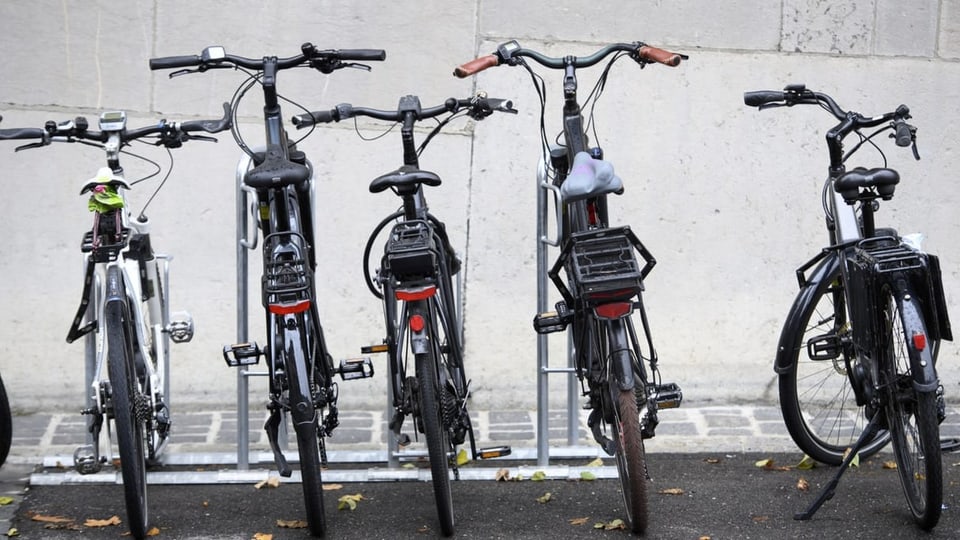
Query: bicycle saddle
[[589, 178], [849, 184], [105, 177], [407, 176], [276, 171]]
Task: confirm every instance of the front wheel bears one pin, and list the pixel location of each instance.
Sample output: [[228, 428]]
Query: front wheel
[[913, 415], [438, 441], [816, 397], [128, 415]]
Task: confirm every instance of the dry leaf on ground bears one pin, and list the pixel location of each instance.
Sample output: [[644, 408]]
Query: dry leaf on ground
[[112, 520]]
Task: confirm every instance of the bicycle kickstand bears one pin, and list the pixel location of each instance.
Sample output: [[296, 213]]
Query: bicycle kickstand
[[867, 435]]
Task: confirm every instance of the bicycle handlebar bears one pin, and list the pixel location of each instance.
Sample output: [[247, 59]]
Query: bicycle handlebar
[[172, 134], [479, 107], [510, 52], [798, 94], [215, 57]]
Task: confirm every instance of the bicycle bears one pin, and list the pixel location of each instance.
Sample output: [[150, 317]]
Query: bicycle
[[864, 332], [421, 306], [124, 312], [301, 370], [604, 279]]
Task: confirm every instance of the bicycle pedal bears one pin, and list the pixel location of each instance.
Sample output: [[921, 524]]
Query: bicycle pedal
[[669, 396], [242, 354], [356, 368], [403, 440], [371, 349], [180, 327], [552, 321], [825, 347], [85, 460], [493, 452]]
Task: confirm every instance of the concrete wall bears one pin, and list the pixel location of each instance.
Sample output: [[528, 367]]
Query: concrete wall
[[726, 198]]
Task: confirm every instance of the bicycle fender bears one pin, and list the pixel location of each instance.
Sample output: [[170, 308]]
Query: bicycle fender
[[792, 333], [921, 364], [621, 365]]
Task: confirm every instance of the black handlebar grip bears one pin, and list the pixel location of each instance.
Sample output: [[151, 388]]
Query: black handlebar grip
[[762, 97], [210, 126], [169, 62], [315, 117], [904, 137], [369, 55], [22, 133]]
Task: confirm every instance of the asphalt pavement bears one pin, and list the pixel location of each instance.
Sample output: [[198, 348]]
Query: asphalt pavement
[[692, 496], [703, 465]]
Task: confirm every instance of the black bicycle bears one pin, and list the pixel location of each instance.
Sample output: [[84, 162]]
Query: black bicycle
[[604, 280], [421, 306], [857, 354], [124, 312], [301, 371]]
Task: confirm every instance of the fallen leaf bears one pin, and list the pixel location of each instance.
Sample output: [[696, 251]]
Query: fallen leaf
[[272, 482], [291, 524], [803, 485], [806, 463], [408, 466], [615, 524], [462, 457], [262, 536], [332, 487], [595, 463], [587, 475], [153, 531], [6, 500], [50, 519], [349, 502], [764, 463], [712, 460], [539, 476], [760, 519], [671, 491], [112, 520], [889, 464], [855, 462], [578, 521], [205, 504], [545, 498], [704, 538], [12, 532], [502, 475]]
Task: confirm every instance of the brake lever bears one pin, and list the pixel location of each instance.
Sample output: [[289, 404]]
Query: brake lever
[[32, 145]]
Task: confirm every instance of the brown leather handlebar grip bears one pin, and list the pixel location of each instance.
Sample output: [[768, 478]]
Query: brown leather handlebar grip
[[659, 55], [476, 66]]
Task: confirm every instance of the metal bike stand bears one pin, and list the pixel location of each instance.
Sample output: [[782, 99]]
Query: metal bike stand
[[543, 361]]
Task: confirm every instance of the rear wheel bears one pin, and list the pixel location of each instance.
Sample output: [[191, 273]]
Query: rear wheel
[[912, 415], [816, 397], [129, 417], [438, 441], [308, 443], [630, 459]]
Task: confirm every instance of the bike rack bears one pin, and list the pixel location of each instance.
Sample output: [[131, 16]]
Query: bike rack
[[543, 305]]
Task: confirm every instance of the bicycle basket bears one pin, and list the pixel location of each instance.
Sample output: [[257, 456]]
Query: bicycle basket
[[602, 266], [411, 253]]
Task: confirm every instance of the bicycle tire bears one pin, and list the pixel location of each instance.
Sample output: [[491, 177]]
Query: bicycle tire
[[911, 414], [6, 424], [816, 397], [308, 444], [438, 442], [631, 460], [128, 423]]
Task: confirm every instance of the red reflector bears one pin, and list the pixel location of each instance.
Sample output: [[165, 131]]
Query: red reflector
[[422, 293], [416, 323], [614, 310], [919, 341], [287, 309]]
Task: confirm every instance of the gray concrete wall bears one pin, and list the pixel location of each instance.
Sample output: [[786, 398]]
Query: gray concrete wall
[[726, 198]]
